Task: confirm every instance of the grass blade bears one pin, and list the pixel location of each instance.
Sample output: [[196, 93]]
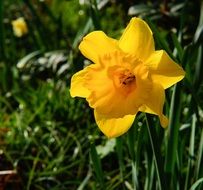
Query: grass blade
[[198, 69], [191, 150], [97, 165], [131, 139], [134, 176], [85, 181], [134, 145], [119, 150], [196, 184], [199, 156], [32, 172], [177, 46], [156, 152], [173, 130]]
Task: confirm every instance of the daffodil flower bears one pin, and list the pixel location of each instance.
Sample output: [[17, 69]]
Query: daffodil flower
[[128, 76], [19, 27]]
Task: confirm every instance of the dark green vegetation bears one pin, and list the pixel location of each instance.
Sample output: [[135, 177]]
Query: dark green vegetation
[[52, 141]]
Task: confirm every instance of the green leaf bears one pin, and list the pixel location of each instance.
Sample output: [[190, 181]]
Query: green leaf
[[156, 152], [198, 69], [196, 184], [22, 63], [97, 165], [119, 150], [199, 156], [173, 129], [191, 150], [177, 46]]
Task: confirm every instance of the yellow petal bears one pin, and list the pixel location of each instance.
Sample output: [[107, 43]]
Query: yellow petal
[[95, 44], [112, 127], [155, 102], [137, 39], [77, 87], [163, 69]]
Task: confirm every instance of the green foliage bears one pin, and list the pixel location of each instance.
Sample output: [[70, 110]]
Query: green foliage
[[51, 140]]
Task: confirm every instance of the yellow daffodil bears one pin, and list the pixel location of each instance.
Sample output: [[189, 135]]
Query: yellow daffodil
[[127, 76], [19, 27]]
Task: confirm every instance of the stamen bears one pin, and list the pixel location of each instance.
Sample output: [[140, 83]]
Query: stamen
[[127, 78]]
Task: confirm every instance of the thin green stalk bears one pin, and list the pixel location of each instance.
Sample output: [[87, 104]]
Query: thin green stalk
[[86, 180], [97, 165], [174, 125], [32, 172], [198, 69], [134, 175], [150, 179], [199, 157], [119, 150], [150, 174], [156, 152], [191, 150], [178, 48], [132, 139], [139, 145]]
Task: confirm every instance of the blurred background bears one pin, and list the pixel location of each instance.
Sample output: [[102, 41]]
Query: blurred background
[[49, 140]]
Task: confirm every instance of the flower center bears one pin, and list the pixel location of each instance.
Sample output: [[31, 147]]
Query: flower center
[[126, 77]]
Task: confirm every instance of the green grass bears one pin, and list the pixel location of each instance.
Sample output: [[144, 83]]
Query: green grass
[[51, 139]]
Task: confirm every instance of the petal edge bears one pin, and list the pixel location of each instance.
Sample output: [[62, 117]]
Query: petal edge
[[164, 70], [95, 44], [137, 39], [155, 103], [77, 87], [114, 127]]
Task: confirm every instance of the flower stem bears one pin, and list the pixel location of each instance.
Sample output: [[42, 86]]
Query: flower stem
[[156, 152]]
